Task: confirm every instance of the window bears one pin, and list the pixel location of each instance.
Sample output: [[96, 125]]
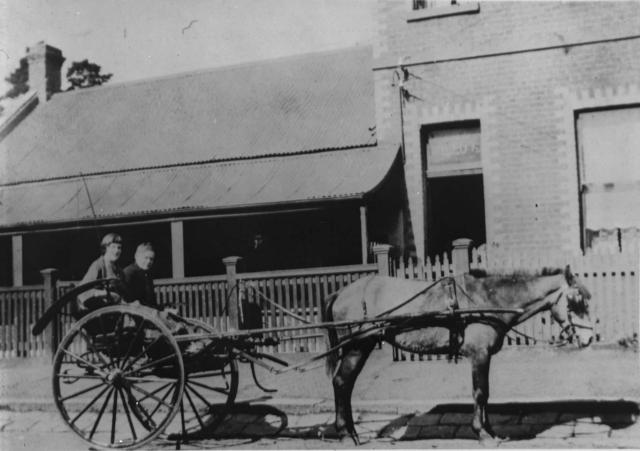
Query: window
[[431, 9], [423, 4], [609, 156]]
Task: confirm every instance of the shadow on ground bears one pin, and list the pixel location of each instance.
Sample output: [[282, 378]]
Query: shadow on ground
[[516, 421], [244, 421]]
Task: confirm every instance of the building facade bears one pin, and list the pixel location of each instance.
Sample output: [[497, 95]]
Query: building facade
[[520, 120]]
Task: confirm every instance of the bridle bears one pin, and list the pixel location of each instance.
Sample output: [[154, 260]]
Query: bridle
[[575, 299]]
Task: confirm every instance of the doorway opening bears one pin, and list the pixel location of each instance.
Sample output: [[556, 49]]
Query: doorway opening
[[455, 209]]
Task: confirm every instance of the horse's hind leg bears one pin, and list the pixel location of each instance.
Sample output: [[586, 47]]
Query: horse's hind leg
[[352, 362]]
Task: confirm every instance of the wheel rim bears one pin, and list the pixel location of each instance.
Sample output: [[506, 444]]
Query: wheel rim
[[211, 385], [118, 377]]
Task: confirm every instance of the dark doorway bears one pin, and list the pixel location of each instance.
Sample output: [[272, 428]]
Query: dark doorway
[[455, 209]]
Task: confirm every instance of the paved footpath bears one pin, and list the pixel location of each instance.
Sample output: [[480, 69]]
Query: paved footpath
[[263, 430]]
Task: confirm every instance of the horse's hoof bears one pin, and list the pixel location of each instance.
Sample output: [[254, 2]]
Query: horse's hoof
[[332, 433], [355, 438], [488, 440]]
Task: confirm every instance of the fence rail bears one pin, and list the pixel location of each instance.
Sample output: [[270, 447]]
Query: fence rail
[[208, 299], [302, 292], [612, 279]]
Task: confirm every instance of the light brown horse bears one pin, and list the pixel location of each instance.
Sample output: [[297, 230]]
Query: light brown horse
[[476, 336]]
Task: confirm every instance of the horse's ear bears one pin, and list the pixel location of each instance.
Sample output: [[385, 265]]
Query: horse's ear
[[568, 275]]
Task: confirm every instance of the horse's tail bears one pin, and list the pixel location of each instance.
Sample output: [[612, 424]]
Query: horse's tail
[[331, 334]]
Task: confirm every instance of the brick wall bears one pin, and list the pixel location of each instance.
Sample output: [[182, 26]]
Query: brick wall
[[522, 69]]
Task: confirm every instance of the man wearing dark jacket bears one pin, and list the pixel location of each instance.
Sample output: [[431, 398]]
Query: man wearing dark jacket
[[138, 279]]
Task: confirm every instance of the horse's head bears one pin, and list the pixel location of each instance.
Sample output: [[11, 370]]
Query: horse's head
[[571, 310]]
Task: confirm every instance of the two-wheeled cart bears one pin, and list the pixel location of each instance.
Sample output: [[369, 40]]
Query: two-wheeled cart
[[124, 374]]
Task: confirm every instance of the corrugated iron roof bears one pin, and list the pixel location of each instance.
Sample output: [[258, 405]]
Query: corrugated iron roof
[[337, 174], [314, 101]]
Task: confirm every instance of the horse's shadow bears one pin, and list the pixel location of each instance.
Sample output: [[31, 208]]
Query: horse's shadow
[[517, 421]]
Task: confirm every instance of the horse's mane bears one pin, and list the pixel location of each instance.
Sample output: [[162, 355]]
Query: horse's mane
[[517, 275]]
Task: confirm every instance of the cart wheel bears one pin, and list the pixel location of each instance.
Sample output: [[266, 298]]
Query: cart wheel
[[211, 385], [118, 377]]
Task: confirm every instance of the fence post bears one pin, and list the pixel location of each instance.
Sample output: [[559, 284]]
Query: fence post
[[231, 263], [51, 334], [460, 255], [381, 252]]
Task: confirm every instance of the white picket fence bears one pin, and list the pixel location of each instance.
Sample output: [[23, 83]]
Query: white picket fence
[[611, 277]]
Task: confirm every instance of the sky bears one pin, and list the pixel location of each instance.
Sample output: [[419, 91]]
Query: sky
[[137, 39]]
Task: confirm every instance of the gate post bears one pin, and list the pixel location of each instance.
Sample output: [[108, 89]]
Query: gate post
[[460, 255], [51, 334], [381, 252], [231, 264]]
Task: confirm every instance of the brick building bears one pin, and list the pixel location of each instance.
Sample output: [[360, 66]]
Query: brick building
[[518, 124], [520, 120]]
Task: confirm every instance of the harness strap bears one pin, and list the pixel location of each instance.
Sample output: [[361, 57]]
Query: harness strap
[[412, 298]]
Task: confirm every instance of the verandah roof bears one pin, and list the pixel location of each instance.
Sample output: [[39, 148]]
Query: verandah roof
[[265, 181]]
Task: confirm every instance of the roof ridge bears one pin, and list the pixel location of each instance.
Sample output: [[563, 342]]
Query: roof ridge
[[193, 163], [207, 70]]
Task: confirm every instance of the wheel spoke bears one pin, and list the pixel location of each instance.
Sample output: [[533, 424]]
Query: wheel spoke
[[224, 391], [139, 356], [195, 410], [77, 357], [126, 411], [88, 406], [149, 395], [113, 416], [195, 392], [117, 332], [81, 392], [104, 406], [182, 422], [166, 394], [93, 349], [134, 339], [154, 392], [141, 408]]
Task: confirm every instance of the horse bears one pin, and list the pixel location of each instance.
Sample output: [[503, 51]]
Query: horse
[[505, 301]]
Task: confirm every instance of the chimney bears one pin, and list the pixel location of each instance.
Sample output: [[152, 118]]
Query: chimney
[[45, 63]]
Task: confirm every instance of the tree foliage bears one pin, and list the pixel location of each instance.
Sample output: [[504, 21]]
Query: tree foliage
[[18, 80], [83, 74]]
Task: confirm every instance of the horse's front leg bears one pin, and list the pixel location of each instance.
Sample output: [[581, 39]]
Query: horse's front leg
[[481, 342], [481, 363]]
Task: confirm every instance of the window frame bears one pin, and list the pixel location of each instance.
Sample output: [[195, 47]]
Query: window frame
[[584, 186]]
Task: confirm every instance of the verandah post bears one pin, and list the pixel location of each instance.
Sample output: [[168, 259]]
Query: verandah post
[[381, 252], [51, 333], [460, 255], [231, 264]]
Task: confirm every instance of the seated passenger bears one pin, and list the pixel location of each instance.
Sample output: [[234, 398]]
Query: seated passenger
[[138, 279], [104, 267]]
